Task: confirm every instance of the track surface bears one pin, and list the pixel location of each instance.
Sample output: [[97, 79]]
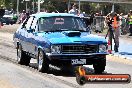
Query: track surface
[[13, 75]]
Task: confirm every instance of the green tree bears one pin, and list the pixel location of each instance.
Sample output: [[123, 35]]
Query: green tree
[[54, 5], [85, 7]]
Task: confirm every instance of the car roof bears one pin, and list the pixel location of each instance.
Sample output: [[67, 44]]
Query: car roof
[[10, 16], [43, 14]]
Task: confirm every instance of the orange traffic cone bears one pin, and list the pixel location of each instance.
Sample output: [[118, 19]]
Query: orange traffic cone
[[109, 47]]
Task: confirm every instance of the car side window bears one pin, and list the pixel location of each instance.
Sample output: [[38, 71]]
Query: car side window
[[34, 24], [28, 23]]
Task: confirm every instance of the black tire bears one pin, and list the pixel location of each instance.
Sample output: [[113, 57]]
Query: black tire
[[68, 69], [7, 23], [99, 68], [96, 31], [100, 31], [80, 79], [22, 57], [43, 63]]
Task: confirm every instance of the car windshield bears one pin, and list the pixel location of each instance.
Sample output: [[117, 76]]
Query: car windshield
[[61, 24]]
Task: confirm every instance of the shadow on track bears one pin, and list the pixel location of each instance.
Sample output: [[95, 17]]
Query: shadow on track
[[58, 72]]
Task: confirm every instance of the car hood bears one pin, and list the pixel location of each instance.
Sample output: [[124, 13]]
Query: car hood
[[67, 37]]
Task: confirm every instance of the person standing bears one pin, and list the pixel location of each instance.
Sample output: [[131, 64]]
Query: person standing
[[116, 30], [130, 23], [74, 10], [122, 24], [127, 23], [22, 16]]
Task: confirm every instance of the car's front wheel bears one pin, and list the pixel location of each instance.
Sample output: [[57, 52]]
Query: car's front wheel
[[68, 69], [99, 68], [43, 63], [22, 57]]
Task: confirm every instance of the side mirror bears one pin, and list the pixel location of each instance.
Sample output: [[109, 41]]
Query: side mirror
[[23, 26], [88, 29]]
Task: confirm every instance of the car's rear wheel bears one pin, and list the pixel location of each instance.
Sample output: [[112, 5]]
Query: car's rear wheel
[[22, 57], [43, 63]]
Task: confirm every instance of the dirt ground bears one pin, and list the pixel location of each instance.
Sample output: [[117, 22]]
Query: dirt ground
[[9, 28], [119, 59], [4, 84]]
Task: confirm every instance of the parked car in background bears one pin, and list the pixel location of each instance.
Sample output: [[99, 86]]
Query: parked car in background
[[1, 22], [7, 19], [59, 39]]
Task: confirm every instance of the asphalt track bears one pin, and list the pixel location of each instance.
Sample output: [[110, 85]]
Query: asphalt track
[[13, 75]]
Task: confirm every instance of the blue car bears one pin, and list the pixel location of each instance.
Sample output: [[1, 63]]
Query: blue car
[[59, 39]]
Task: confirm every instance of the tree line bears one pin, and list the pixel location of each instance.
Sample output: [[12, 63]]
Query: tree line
[[62, 5]]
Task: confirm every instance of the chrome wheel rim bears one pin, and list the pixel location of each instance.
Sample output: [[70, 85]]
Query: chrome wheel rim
[[40, 61]]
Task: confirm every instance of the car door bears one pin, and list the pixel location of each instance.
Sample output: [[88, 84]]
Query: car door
[[26, 34], [31, 36], [21, 34]]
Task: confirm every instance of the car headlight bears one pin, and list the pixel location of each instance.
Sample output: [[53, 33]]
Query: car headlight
[[56, 49], [102, 49]]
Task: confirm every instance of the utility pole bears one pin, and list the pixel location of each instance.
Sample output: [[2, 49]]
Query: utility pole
[[68, 5], [38, 6], [79, 5], [17, 7], [26, 7], [33, 6], [26, 4], [113, 6]]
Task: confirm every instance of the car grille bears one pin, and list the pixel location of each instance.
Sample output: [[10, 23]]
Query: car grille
[[85, 49]]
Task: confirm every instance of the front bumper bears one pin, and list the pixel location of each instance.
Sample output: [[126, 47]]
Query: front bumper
[[67, 58]]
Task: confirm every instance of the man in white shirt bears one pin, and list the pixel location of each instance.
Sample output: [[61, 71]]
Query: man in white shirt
[[74, 10]]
